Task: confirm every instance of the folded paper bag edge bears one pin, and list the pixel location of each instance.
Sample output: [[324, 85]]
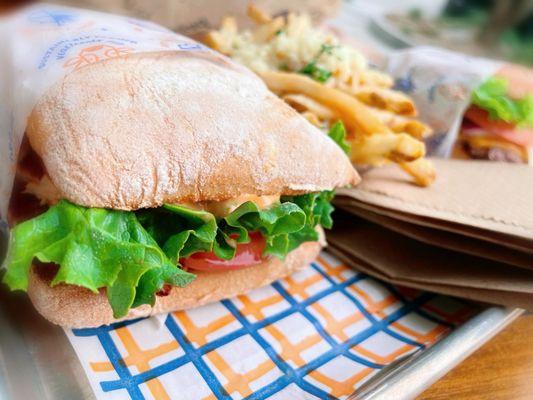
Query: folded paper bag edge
[[506, 299], [487, 195]]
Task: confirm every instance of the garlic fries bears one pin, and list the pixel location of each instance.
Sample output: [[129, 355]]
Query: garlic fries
[[327, 81]]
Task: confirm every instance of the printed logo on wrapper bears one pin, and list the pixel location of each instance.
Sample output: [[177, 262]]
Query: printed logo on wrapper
[[92, 54], [60, 49], [42, 43], [52, 17], [405, 84]]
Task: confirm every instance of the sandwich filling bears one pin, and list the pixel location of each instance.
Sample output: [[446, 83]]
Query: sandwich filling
[[497, 127], [134, 255]]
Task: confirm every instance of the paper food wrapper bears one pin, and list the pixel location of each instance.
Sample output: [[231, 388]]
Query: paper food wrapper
[[441, 83], [470, 234], [196, 16], [322, 333], [43, 43]]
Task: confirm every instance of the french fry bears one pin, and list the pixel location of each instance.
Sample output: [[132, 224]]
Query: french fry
[[353, 113], [372, 77], [214, 40], [258, 15], [385, 99], [229, 24], [297, 25], [312, 118], [380, 149], [222, 39], [422, 170], [399, 123], [303, 103], [265, 32]]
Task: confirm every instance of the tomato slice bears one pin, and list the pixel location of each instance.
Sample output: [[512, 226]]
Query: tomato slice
[[520, 136], [247, 255]]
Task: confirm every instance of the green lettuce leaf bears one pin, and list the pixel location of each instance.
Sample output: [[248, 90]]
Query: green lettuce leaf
[[338, 133], [276, 224], [316, 206], [94, 248], [134, 254], [492, 97], [181, 231]]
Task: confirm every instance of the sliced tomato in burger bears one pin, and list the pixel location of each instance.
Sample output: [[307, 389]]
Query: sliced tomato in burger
[[508, 131], [247, 255]]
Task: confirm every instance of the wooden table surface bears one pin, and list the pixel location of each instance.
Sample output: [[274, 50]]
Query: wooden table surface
[[502, 369]]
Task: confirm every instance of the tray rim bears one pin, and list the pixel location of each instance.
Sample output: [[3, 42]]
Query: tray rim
[[416, 373]]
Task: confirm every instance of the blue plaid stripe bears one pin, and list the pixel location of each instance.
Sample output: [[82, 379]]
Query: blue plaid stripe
[[291, 375]]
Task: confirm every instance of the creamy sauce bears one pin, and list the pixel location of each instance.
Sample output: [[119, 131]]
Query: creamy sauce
[[47, 193], [44, 190], [223, 208]]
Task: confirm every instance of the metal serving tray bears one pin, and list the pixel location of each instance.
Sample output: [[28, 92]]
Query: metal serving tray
[[412, 375]]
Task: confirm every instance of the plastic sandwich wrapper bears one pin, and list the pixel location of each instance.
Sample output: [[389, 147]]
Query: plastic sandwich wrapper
[[321, 332]]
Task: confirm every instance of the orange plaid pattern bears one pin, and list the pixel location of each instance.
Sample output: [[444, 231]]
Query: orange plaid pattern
[[239, 374], [335, 327], [337, 272], [424, 338], [198, 334], [295, 340], [383, 359], [301, 289], [256, 308], [289, 351], [342, 388], [239, 382], [292, 352], [373, 306], [140, 359], [323, 331]]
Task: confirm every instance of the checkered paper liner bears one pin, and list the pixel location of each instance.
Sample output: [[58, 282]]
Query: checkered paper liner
[[320, 333]]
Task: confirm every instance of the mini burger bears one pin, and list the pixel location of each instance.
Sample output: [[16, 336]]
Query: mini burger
[[163, 181], [498, 126]]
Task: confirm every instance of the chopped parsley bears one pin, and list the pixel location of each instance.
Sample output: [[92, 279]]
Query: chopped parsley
[[312, 70], [317, 73]]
